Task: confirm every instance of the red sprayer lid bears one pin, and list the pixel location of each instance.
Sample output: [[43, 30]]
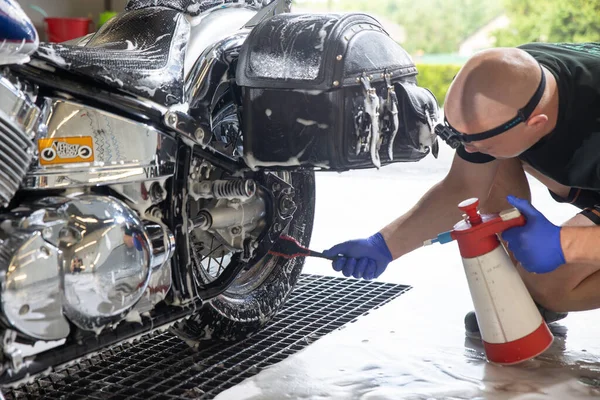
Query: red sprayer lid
[[476, 234]]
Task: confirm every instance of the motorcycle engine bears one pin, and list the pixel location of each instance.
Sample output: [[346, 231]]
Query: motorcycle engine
[[18, 117], [88, 259]]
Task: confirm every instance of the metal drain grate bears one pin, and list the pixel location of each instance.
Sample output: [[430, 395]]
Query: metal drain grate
[[161, 366]]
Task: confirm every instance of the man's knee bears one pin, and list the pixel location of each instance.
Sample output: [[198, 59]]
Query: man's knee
[[510, 179]]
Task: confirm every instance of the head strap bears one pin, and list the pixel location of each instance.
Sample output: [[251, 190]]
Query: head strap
[[454, 137]]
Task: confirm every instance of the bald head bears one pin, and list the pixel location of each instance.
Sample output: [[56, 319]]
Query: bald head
[[490, 88]]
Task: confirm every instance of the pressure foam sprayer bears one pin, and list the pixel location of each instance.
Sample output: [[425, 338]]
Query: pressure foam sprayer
[[512, 328]]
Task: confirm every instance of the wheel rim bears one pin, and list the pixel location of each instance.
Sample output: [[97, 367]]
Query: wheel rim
[[210, 260]]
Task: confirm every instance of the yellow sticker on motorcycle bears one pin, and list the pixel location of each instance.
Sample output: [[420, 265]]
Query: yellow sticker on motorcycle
[[68, 150]]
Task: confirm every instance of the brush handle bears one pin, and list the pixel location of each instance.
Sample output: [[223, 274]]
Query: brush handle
[[313, 253], [289, 247]]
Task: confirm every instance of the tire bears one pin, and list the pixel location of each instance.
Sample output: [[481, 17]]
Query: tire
[[235, 315]]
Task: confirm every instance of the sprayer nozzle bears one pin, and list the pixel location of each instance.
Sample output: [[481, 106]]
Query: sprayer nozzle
[[442, 238]]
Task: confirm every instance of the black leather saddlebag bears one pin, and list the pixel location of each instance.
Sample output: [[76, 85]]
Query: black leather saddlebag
[[331, 91]]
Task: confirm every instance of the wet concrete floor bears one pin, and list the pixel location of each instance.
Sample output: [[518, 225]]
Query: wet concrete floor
[[415, 347]]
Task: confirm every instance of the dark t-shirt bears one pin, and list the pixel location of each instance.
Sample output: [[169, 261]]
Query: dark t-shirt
[[570, 154]]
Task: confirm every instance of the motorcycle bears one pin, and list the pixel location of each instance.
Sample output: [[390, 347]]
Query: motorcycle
[[147, 169]]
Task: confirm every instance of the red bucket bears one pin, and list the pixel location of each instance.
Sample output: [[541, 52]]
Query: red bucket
[[63, 29]]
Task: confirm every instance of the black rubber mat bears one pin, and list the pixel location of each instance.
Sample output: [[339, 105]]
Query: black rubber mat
[[161, 366]]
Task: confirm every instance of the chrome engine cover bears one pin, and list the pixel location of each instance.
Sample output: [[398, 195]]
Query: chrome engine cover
[[106, 262], [85, 146], [31, 298], [88, 259]]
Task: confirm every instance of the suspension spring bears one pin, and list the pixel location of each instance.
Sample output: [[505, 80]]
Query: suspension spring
[[234, 189]]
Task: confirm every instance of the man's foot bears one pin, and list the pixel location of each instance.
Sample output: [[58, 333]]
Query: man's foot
[[472, 327]]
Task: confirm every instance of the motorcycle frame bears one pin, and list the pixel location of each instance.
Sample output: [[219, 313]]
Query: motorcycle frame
[[67, 86]]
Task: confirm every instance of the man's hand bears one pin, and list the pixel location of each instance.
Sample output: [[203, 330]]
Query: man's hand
[[363, 258], [536, 245]]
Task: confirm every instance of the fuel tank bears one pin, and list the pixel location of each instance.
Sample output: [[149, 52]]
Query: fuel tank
[[18, 36]]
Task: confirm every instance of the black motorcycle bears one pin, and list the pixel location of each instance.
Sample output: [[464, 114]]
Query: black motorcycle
[[147, 169]]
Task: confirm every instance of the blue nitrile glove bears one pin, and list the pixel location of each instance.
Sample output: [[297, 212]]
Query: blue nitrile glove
[[536, 245], [364, 258]]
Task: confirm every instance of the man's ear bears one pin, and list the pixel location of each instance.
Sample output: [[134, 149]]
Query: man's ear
[[537, 121]]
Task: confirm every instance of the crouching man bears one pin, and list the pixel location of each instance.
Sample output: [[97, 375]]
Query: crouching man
[[535, 108]]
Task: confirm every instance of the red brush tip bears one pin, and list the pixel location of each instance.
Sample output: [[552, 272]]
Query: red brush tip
[[290, 239], [288, 247]]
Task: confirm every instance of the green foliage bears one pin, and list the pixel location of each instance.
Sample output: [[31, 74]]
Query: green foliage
[[437, 78], [440, 26], [432, 26], [550, 21]]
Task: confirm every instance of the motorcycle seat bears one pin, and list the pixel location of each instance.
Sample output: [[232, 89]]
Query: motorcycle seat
[[140, 51]]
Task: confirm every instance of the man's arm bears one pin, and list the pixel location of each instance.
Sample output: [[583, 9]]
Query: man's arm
[[437, 210], [581, 244]]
